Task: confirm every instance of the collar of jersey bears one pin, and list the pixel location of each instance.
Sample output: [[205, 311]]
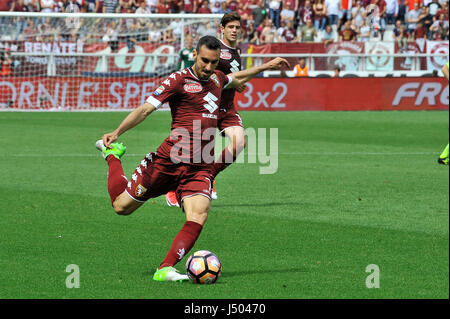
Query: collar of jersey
[[192, 73]]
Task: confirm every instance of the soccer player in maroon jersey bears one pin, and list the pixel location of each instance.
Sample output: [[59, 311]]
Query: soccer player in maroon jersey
[[229, 121], [184, 160]]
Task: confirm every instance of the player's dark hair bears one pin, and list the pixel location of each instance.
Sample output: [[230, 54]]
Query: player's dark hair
[[211, 43], [229, 17]]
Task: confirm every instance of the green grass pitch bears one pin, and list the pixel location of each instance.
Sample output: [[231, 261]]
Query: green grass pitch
[[352, 189]]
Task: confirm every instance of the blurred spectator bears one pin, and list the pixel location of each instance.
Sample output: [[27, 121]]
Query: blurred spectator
[[99, 6], [5, 62], [420, 32], [154, 35], [187, 6], [401, 36], [345, 12], [347, 33], [413, 17], [46, 31], [359, 13], [444, 11], [328, 35], [89, 5], [308, 32], [320, 15], [333, 11], [381, 21], [186, 59], [47, 6], [289, 33], [439, 29], [391, 11], [301, 69], [7, 5], [163, 6], [169, 37], [259, 13], [402, 6], [269, 33], [20, 22], [364, 32], [305, 13], [177, 26], [111, 36], [337, 72], [274, 12], [30, 32], [434, 6], [143, 9], [204, 7], [110, 6], [215, 5], [206, 29], [426, 19], [232, 5], [287, 14], [142, 24]]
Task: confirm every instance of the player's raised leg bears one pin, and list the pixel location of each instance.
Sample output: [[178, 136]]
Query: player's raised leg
[[117, 181], [196, 208]]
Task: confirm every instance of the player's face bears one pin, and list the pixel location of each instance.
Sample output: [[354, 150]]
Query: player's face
[[231, 31], [206, 61]]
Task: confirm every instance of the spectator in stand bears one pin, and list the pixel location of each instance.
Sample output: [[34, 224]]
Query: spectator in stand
[[110, 6], [111, 36], [187, 6], [163, 6], [305, 13], [402, 9], [287, 14], [204, 7], [364, 32], [444, 11], [259, 13], [142, 26], [269, 33], [391, 11], [47, 6], [347, 33], [206, 29], [345, 12], [439, 29], [434, 6], [359, 13], [99, 6], [401, 36], [232, 5], [20, 22], [169, 37], [30, 32], [289, 33], [274, 12], [426, 19], [216, 5], [154, 35], [7, 5], [320, 15], [308, 32], [328, 35], [151, 4], [90, 5], [333, 11], [301, 69], [382, 15], [413, 17], [420, 32]]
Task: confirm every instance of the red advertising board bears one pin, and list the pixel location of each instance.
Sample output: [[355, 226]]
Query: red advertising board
[[264, 94]]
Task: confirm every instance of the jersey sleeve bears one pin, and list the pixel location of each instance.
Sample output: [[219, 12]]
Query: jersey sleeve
[[225, 80], [166, 91]]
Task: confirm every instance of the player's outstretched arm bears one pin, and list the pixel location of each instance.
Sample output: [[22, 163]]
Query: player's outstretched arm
[[241, 77], [132, 119], [445, 71]]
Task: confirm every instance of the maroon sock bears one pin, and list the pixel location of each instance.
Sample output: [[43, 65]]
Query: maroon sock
[[225, 159], [182, 243], [117, 181]]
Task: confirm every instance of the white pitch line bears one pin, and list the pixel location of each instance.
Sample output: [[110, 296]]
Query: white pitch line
[[282, 154]]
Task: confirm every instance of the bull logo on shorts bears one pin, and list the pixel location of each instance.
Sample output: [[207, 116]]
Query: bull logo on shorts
[[140, 190]]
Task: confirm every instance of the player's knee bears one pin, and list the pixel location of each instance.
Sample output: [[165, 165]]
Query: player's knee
[[199, 217]]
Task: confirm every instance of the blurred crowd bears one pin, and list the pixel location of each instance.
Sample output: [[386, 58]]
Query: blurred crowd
[[263, 21]]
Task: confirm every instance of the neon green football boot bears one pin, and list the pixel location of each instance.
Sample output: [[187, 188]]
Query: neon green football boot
[[169, 274], [115, 149]]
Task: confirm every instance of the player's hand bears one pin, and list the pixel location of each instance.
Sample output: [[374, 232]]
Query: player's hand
[[277, 64], [241, 88], [109, 138]]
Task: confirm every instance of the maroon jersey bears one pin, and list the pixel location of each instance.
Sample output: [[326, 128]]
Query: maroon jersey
[[230, 62], [194, 104]]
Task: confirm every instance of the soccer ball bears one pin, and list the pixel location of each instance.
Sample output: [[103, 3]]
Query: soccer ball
[[203, 267]]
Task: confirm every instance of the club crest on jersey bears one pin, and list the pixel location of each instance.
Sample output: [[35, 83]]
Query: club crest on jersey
[[159, 90], [193, 87], [215, 79], [225, 54], [140, 190]]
